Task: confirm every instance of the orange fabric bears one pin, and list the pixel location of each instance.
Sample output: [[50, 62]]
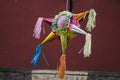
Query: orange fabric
[[62, 66]]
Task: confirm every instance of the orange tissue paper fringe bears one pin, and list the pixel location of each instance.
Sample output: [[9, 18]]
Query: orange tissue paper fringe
[[62, 66]]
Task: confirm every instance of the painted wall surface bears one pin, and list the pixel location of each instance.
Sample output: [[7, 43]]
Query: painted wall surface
[[17, 46]]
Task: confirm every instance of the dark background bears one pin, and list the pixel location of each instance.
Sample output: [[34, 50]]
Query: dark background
[[17, 46]]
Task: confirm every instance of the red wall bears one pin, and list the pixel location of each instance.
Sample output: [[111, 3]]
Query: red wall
[[17, 46]]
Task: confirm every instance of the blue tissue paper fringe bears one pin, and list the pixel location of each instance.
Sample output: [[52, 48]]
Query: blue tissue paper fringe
[[37, 55]]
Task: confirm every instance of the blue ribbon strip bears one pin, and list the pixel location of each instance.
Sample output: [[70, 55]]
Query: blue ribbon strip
[[37, 55]]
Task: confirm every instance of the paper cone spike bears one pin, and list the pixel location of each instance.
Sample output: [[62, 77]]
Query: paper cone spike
[[50, 37], [48, 20], [79, 16], [77, 30], [63, 38]]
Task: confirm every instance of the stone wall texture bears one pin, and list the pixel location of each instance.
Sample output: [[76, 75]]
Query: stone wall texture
[[29, 74], [15, 74]]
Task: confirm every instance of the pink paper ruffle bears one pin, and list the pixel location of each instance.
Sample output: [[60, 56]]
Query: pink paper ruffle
[[38, 28]]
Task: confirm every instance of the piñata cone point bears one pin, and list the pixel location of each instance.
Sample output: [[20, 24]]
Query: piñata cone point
[[79, 16], [50, 37]]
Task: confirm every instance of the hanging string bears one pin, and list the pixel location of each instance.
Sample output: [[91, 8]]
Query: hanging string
[[67, 5]]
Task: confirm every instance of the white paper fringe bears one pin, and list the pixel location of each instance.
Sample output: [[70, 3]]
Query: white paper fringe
[[87, 46]]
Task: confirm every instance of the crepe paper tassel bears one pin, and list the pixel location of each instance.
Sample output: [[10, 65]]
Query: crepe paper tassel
[[62, 66], [45, 59], [91, 20], [50, 37], [63, 38], [80, 16], [38, 28], [37, 55], [77, 30], [87, 46]]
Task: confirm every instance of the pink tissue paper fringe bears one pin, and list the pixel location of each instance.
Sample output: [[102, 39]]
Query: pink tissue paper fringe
[[38, 28]]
